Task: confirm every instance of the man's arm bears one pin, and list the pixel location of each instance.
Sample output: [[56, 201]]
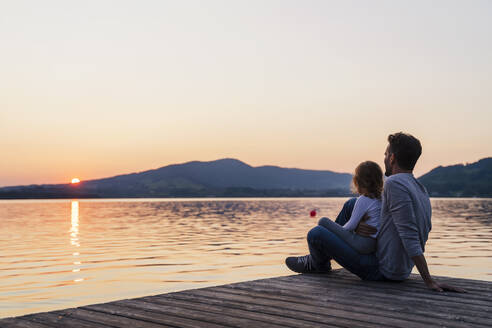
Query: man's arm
[[365, 229], [404, 218], [421, 265]]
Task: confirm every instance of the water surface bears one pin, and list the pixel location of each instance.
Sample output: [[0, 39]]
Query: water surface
[[65, 253]]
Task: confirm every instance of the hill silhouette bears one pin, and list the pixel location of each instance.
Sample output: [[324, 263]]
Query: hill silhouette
[[471, 180], [220, 178], [233, 178]]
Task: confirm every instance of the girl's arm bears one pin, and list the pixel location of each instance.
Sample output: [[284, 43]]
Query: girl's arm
[[360, 208]]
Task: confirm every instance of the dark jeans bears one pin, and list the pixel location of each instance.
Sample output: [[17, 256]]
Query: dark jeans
[[324, 245]]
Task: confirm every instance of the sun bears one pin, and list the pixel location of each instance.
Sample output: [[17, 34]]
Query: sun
[[75, 180]]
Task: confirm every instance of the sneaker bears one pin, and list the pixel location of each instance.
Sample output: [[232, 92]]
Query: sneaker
[[304, 264]]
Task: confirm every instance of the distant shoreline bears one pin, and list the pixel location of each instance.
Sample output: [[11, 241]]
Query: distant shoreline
[[218, 198], [232, 178]]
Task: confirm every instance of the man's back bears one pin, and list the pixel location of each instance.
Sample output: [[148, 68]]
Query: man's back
[[404, 226]]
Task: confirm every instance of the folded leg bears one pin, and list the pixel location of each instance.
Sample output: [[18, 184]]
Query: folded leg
[[363, 245], [325, 245]]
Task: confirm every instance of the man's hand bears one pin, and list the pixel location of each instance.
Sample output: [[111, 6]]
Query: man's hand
[[421, 265], [364, 229], [440, 287]]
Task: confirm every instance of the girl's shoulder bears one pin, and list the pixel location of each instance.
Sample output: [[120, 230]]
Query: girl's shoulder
[[363, 198], [367, 200]]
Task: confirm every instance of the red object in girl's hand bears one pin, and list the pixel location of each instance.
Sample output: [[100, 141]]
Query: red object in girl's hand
[[312, 213]]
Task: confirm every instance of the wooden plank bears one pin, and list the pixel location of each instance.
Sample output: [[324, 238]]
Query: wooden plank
[[453, 299], [314, 314], [405, 287], [393, 307], [252, 319], [20, 323], [117, 316], [310, 318], [96, 317], [170, 315], [415, 283], [397, 289], [478, 287], [337, 312], [337, 299], [219, 315], [61, 318], [294, 304], [354, 292], [448, 299]]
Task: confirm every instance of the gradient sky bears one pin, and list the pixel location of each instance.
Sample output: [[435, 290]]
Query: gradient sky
[[92, 89]]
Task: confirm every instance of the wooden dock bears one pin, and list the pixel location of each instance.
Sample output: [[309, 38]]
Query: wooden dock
[[337, 299]]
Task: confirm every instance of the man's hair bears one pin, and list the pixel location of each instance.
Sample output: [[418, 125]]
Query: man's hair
[[406, 148]]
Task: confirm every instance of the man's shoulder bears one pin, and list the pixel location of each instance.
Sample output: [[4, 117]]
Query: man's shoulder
[[400, 177], [404, 182], [396, 180]]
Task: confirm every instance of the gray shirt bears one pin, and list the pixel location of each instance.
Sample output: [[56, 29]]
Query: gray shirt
[[404, 225]]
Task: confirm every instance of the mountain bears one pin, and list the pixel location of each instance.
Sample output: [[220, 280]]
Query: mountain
[[220, 178], [470, 180], [233, 178]]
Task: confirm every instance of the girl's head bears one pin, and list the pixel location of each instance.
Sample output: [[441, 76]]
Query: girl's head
[[368, 179]]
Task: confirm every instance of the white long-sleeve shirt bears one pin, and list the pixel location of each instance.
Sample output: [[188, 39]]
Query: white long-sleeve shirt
[[363, 205]]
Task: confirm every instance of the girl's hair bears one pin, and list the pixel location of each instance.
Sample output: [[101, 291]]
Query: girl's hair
[[368, 179]]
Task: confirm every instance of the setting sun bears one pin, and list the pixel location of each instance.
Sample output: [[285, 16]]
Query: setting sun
[[75, 180]]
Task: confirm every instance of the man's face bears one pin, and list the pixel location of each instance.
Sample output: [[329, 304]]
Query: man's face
[[387, 162]]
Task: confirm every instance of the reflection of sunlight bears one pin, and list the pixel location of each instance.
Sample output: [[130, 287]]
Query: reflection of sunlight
[[74, 235], [74, 231]]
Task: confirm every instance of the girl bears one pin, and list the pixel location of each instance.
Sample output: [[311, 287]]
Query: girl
[[368, 183]]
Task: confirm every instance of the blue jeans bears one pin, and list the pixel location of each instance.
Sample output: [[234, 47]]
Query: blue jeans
[[324, 245], [363, 245]]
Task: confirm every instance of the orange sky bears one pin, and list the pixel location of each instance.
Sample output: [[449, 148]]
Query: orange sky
[[97, 89]]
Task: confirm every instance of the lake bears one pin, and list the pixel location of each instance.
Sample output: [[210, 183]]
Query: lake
[[56, 254]]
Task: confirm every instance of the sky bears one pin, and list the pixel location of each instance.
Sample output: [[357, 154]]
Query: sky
[[92, 89]]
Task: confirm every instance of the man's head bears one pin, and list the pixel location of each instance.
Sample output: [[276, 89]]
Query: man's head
[[402, 153]]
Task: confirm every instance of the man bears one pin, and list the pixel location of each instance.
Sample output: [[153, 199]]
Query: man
[[403, 228]]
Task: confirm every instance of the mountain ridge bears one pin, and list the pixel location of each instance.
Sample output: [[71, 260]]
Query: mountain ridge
[[229, 177], [460, 180], [223, 177]]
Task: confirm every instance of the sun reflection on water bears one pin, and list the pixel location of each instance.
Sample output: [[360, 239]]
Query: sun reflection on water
[[74, 230], [74, 237]]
